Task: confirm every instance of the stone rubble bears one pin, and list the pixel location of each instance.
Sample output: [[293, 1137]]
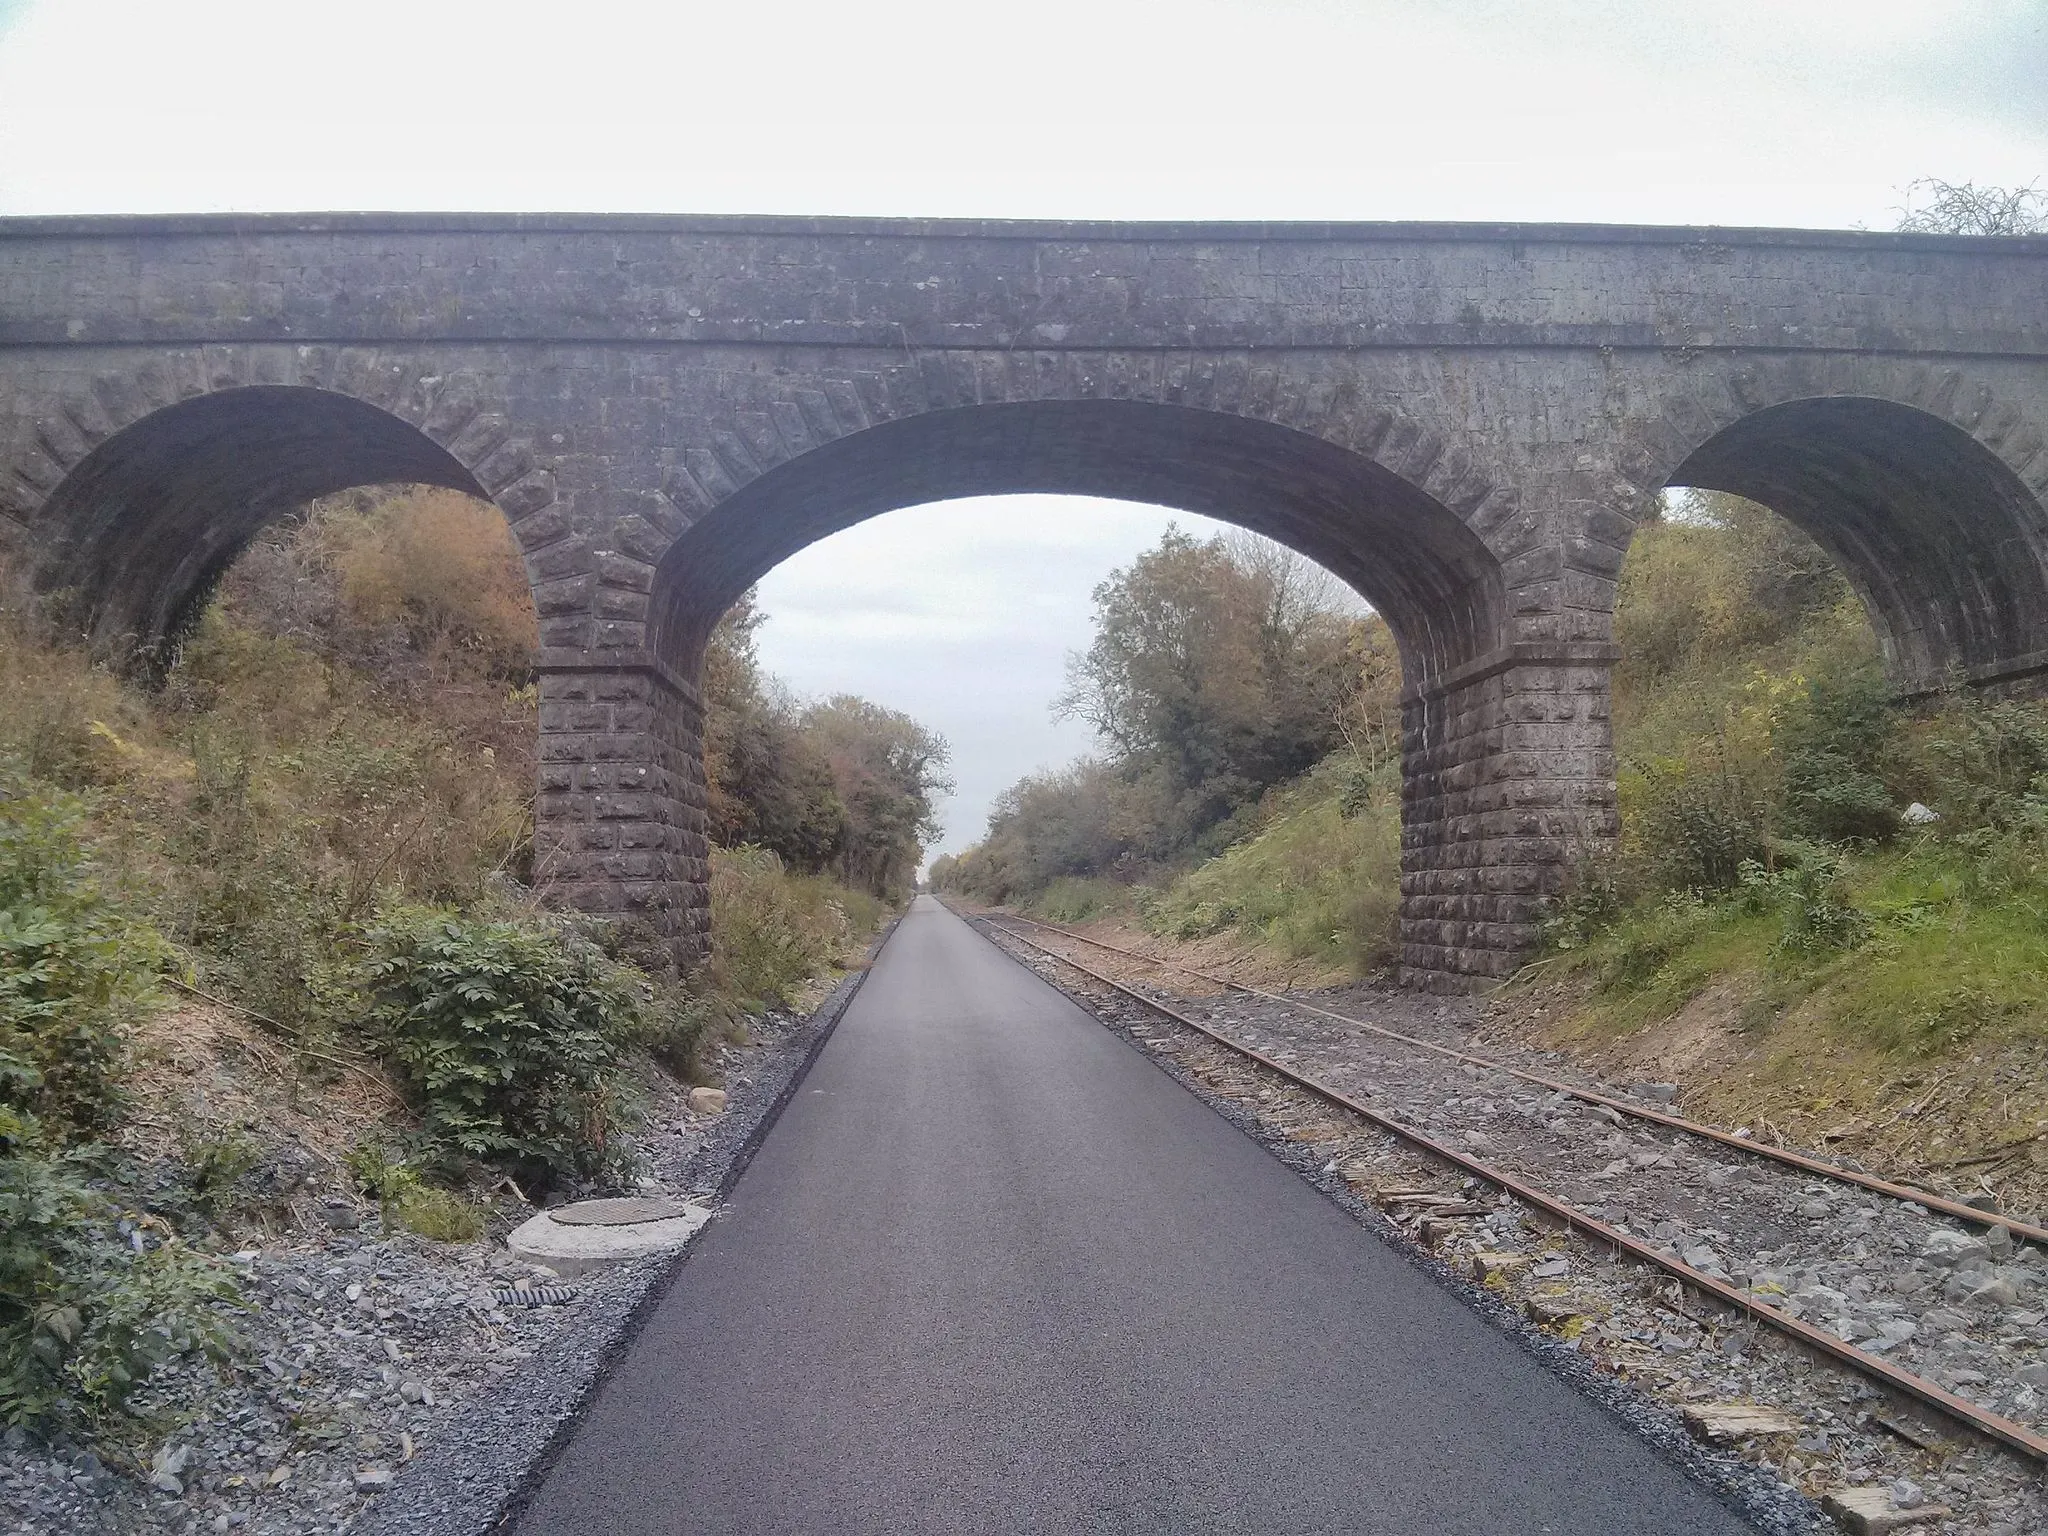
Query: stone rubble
[[1968, 1310], [365, 1347]]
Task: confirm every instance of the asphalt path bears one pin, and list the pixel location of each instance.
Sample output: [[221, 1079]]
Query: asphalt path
[[995, 1272]]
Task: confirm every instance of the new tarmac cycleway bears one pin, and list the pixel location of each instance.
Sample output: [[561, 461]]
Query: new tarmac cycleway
[[993, 1271]]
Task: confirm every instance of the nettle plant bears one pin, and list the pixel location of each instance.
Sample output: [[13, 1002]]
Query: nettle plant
[[510, 1034]]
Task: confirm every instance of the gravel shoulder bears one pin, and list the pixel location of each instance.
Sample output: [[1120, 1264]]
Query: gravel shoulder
[[393, 1384], [1968, 1313]]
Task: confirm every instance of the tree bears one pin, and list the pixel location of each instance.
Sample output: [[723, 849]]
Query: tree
[[1218, 669], [767, 782], [889, 772], [1936, 207]]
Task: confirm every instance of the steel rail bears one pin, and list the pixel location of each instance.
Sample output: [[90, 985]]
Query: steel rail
[[1958, 1410], [1786, 1155]]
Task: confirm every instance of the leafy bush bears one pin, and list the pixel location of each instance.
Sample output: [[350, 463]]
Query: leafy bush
[[1981, 761], [90, 1302], [215, 1164], [1696, 821], [1806, 891], [770, 932], [74, 971], [509, 1036], [1834, 743]]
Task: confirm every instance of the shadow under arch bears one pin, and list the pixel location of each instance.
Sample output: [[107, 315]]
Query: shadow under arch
[[1940, 538], [1430, 576], [144, 524]]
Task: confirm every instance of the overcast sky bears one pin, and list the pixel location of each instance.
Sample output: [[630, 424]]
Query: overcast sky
[[1792, 112]]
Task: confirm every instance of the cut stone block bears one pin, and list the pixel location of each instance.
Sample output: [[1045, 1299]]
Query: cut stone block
[[1723, 1422]]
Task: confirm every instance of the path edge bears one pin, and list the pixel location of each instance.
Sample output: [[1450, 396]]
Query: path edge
[[445, 1494]]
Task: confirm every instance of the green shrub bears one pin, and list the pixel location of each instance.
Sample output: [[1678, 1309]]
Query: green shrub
[[1982, 760], [1806, 891], [1695, 821], [771, 931], [509, 1036], [1834, 743], [74, 971], [215, 1164], [87, 1309]]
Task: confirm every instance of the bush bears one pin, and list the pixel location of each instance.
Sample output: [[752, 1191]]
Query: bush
[[90, 1302], [1695, 821], [1806, 891], [509, 1036], [74, 971], [770, 931], [1835, 742], [405, 1199]]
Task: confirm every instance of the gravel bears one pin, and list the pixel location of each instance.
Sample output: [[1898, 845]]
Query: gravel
[[1967, 1311], [389, 1383]]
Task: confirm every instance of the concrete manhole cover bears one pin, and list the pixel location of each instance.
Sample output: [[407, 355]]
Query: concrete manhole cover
[[617, 1213]]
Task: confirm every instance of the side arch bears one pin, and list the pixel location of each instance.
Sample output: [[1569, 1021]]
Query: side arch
[[1926, 489], [135, 494]]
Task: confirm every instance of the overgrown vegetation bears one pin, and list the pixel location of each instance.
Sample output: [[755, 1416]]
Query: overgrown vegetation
[[321, 813], [93, 1297], [1766, 776]]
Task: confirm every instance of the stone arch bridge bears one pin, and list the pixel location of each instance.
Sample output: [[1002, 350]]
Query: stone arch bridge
[[1464, 421]]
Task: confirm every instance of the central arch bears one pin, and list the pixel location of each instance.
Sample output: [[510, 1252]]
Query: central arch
[[1433, 579], [1501, 771]]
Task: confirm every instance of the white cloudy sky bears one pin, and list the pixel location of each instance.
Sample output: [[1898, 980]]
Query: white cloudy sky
[[1798, 112]]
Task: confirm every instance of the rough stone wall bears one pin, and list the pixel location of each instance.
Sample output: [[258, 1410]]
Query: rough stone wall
[[620, 824]]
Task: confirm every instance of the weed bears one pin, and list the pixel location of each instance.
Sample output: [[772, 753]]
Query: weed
[[215, 1164], [509, 1035], [408, 1200]]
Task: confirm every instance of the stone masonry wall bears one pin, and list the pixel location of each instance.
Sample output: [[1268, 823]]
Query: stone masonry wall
[[1464, 421], [620, 826], [1507, 784]]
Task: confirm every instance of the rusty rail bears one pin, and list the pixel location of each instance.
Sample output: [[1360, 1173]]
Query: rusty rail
[[1981, 1421], [1786, 1155]]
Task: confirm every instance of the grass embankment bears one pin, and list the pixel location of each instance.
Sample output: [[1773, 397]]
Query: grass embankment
[[1775, 934]]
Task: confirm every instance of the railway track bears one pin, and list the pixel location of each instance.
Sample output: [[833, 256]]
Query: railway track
[[1969, 1214], [1970, 1416]]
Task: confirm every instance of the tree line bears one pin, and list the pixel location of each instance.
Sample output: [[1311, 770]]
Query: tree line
[[1218, 670]]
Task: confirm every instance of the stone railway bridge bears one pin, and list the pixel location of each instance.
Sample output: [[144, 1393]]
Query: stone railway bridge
[[1466, 422]]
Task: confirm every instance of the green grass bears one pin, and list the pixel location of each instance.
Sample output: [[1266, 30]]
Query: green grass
[[1314, 883], [1072, 899], [1934, 967]]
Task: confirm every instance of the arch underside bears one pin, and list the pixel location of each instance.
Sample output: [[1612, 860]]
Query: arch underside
[[1941, 539], [146, 523], [1430, 576]]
